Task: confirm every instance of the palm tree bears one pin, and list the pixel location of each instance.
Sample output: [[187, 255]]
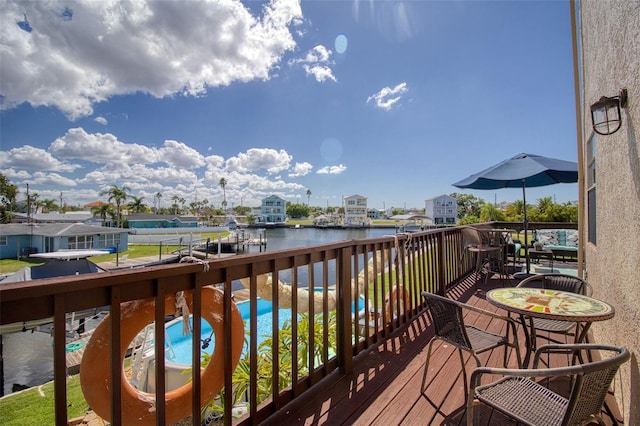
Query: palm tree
[[32, 202], [137, 206], [176, 204], [102, 210], [118, 196], [158, 196], [48, 205], [223, 184], [308, 196]]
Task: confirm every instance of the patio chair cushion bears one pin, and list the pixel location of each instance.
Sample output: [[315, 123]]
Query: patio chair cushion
[[558, 239]]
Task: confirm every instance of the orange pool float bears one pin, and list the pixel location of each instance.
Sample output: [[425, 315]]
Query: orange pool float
[[139, 407]]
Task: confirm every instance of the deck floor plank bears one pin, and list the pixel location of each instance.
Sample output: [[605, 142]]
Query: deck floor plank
[[384, 387]]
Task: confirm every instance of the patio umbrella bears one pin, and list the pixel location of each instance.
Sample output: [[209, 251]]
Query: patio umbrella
[[523, 170]]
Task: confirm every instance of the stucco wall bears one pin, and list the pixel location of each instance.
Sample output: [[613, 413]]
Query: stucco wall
[[610, 37]]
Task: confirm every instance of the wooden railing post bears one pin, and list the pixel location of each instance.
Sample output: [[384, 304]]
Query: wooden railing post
[[441, 264], [343, 314]]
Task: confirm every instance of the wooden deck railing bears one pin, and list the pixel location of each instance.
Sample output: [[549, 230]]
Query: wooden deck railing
[[404, 265]]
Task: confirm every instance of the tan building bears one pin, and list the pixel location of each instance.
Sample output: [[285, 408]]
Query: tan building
[[608, 60]]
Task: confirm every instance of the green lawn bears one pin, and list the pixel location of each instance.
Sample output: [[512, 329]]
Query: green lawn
[[35, 406]]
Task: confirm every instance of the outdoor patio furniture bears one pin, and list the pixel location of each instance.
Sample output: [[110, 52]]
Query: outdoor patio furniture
[[525, 395], [447, 317], [489, 250], [559, 282]]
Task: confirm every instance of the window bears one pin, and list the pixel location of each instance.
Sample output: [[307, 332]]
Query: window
[[81, 242], [109, 240], [3, 240], [591, 189]]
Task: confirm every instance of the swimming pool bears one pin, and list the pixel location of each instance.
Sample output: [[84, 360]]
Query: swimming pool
[[179, 346]]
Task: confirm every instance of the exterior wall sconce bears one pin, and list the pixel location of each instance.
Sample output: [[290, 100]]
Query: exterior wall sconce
[[605, 114]]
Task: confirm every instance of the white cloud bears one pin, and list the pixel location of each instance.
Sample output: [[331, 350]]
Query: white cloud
[[101, 120], [254, 159], [317, 63], [97, 49], [387, 97], [301, 169], [15, 174], [29, 157], [332, 170], [52, 179], [172, 169], [100, 148], [180, 155]]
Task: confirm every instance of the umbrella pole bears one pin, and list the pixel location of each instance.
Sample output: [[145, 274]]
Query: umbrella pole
[[526, 222]]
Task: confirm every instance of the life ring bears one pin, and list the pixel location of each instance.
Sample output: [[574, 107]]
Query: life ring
[[139, 407], [391, 299]]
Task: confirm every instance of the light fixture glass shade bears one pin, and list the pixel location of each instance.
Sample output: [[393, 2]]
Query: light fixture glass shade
[[605, 114]]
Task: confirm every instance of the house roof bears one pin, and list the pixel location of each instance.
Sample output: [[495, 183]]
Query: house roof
[[167, 217], [56, 229], [95, 204], [409, 217], [56, 268], [57, 217], [439, 196]]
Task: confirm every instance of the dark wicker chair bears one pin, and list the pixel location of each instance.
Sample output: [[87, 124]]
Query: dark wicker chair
[[448, 322], [561, 282], [489, 249], [517, 395]]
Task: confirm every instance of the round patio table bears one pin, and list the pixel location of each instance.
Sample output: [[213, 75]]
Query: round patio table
[[553, 305]]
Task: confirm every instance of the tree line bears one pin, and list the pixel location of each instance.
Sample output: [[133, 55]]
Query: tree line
[[471, 209]]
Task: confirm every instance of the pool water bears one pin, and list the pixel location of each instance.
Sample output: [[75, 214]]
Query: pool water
[[178, 348]]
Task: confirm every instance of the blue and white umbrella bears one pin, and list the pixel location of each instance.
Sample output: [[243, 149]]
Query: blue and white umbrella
[[523, 170]]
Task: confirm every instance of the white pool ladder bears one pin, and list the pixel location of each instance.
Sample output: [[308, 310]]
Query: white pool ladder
[[143, 352]]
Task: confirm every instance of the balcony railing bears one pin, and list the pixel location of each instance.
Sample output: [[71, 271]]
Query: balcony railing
[[372, 286]]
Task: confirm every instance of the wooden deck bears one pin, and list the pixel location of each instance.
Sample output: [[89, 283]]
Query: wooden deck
[[384, 388]]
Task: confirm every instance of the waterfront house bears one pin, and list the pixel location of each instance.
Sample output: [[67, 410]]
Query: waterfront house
[[355, 211], [443, 209], [273, 210], [18, 240], [375, 214], [148, 220]]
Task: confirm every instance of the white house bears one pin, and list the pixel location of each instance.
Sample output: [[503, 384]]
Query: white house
[[443, 209], [355, 211]]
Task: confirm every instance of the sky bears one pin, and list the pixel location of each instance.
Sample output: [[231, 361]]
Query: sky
[[391, 100]]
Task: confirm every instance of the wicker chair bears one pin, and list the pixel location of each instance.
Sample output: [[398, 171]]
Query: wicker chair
[[489, 251], [560, 282], [517, 395], [448, 322]]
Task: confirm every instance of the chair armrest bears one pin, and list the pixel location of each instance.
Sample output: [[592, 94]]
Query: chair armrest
[[485, 312], [477, 373], [478, 310], [569, 349]]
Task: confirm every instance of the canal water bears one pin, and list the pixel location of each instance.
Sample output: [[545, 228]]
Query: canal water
[[28, 356]]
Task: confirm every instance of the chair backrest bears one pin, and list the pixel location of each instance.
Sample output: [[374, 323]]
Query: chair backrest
[[448, 321], [561, 282], [470, 236], [591, 385]]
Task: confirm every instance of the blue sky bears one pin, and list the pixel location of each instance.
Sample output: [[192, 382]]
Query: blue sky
[[394, 101]]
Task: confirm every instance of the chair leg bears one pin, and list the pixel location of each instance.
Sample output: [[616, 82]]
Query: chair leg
[[464, 373], [423, 387]]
